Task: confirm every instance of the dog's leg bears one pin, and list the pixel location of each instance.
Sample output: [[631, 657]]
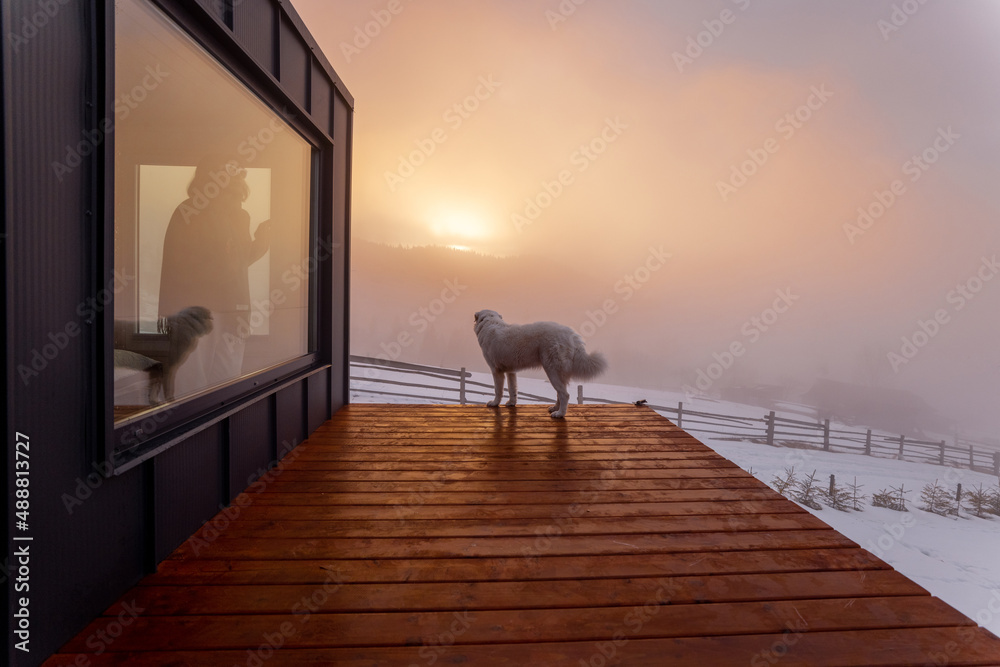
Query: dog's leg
[[498, 385], [558, 411], [511, 390]]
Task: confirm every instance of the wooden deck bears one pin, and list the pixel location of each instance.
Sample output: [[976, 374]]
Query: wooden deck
[[423, 535]]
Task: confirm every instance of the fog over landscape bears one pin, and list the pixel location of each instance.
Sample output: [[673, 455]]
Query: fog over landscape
[[715, 194]]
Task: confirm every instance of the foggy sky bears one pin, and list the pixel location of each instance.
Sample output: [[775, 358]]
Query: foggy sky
[[626, 138]]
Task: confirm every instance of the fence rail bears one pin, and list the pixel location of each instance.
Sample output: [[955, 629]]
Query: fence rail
[[457, 387]]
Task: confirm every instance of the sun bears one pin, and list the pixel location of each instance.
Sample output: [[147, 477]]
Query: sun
[[461, 229]]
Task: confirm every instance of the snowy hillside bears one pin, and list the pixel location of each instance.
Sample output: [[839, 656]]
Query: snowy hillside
[[955, 558]]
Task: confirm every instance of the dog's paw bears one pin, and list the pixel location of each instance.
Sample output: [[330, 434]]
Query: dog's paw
[[493, 404], [511, 404], [558, 414]]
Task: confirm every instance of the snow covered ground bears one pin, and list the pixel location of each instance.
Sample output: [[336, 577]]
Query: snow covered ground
[[955, 558]]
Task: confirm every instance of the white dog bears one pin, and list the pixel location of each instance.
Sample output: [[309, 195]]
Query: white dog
[[559, 350]]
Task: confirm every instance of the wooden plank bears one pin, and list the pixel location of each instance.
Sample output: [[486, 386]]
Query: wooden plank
[[416, 508], [464, 447], [403, 526], [285, 485], [492, 595], [445, 458], [519, 498], [495, 547], [319, 473], [316, 630], [187, 572], [904, 647], [609, 464], [412, 535]]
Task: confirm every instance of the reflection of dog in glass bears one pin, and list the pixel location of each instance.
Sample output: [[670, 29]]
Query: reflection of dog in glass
[[559, 350], [160, 362]]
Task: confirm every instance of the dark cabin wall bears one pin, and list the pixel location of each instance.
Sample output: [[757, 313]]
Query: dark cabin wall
[[94, 537]]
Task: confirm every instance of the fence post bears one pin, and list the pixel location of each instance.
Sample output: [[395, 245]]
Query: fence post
[[958, 494], [941, 455], [972, 456], [461, 387], [579, 394], [770, 428], [868, 443], [833, 486], [680, 414], [826, 438], [996, 463], [902, 442]]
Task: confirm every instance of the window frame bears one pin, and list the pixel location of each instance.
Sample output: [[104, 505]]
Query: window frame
[[127, 443]]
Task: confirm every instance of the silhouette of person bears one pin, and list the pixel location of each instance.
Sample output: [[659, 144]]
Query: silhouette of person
[[207, 251]]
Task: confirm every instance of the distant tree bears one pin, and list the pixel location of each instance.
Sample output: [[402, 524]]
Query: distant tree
[[857, 498], [805, 490], [937, 499], [893, 498], [979, 501], [993, 507], [782, 484], [837, 496]]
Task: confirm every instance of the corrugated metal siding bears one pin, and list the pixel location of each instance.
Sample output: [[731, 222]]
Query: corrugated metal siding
[[187, 481], [83, 555], [294, 63], [318, 397], [251, 442], [99, 534], [342, 136], [321, 93], [255, 26], [290, 416]]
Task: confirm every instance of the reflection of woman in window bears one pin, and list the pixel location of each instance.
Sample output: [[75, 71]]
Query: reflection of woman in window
[[207, 251]]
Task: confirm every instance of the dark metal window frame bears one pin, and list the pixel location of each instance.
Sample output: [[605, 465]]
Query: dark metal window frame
[[127, 445]]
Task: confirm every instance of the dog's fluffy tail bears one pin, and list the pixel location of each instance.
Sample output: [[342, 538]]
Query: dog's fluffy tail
[[587, 366]]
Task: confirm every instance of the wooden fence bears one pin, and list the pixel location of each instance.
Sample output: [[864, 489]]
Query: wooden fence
[[456, 386]]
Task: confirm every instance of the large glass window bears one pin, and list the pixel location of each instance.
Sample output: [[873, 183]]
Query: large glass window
[[212, 221]]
